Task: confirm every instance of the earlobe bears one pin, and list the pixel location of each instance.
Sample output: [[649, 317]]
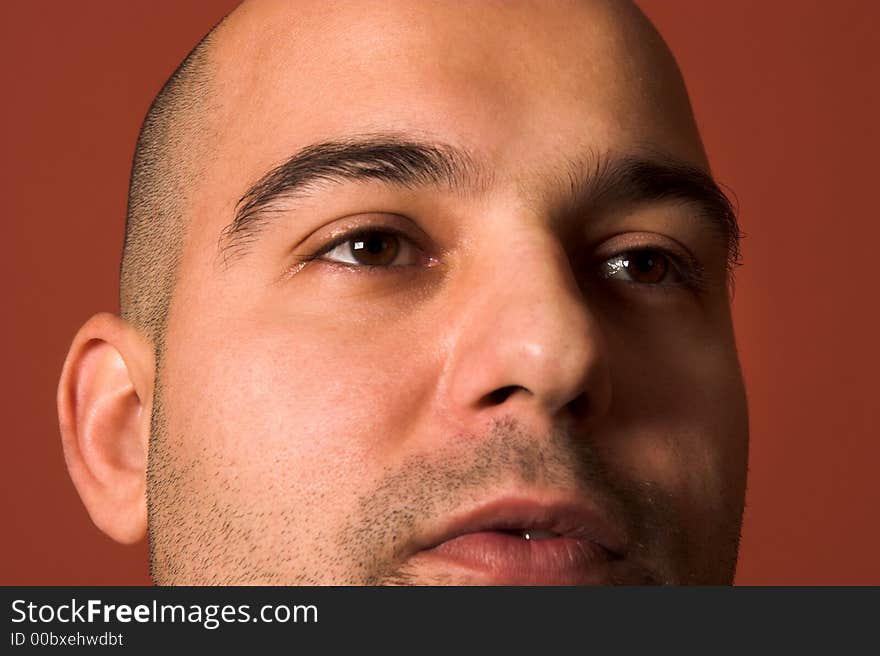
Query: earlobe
[[104, 401]]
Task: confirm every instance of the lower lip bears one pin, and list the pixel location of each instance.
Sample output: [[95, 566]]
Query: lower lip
[[506, 559]]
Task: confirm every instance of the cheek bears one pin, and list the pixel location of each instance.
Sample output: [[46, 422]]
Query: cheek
[[306, 404], [678, 415], [678, 422]]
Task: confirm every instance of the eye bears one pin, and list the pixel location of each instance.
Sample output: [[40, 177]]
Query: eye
[[373, 248], [643, 266]]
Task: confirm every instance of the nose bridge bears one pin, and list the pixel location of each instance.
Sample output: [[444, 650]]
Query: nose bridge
[[537, 299], [527, 335]]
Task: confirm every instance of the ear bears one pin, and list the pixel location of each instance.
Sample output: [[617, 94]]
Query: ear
[[104, 405]]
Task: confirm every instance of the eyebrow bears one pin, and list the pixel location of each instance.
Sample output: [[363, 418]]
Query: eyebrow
[[391, 159], [595, 181], [651, 177]]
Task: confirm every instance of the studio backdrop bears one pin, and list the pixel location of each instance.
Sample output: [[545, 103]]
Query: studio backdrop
[[787, 98]]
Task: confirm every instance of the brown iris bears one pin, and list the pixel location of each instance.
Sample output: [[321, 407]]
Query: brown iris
[[375, 248], [648, 267]]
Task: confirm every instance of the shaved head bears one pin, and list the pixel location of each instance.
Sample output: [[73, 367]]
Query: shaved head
[[440, 295], [174, 138], [174, 135]]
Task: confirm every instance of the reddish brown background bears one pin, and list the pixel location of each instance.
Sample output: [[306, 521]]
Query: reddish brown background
[[786, 94]]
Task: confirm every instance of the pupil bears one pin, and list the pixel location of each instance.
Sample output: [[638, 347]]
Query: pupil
[[375, 248], [647, 267], [644, 262], [375, 244]]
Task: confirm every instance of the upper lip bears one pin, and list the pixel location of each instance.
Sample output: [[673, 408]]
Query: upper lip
[[568, 518]]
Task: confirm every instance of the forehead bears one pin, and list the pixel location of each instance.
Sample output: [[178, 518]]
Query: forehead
[[524, 86]]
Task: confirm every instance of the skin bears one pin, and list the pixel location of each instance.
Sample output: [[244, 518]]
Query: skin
[[312, 422]]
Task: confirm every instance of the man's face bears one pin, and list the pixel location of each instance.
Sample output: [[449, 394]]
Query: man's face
[[510, 376]]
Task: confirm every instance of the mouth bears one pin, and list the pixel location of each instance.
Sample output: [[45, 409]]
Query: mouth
[[526, 542]]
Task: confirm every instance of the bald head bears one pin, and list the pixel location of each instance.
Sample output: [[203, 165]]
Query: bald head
[[220, 74]]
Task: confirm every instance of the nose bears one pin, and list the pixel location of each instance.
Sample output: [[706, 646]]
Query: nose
[[525, 341]]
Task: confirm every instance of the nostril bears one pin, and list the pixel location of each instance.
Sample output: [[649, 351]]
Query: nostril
[[499, 396]]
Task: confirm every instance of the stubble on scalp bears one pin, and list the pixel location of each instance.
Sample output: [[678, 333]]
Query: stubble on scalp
[[168, 161]]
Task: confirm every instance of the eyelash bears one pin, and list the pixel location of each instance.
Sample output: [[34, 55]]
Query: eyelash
[[689, 271]]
